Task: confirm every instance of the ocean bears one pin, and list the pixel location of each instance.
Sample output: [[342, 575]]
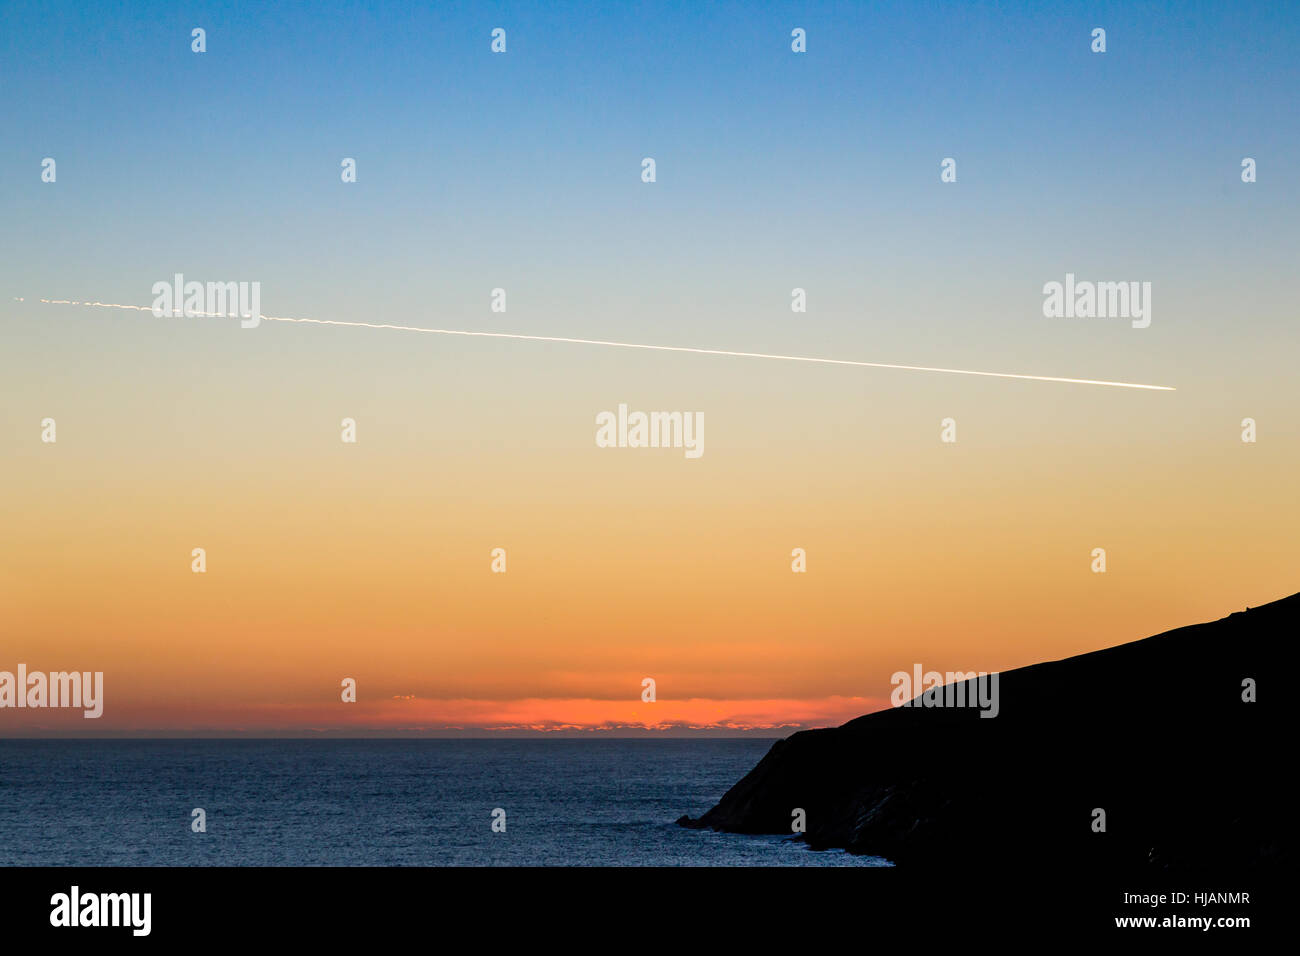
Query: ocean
[[603, 802]]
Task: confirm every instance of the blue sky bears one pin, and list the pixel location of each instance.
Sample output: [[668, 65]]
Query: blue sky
[[840, 146], [775, 170]]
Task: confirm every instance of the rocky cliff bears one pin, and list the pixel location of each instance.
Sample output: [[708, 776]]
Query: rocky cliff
[[1154, 733]]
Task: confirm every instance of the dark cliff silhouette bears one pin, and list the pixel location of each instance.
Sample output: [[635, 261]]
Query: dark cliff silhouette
[[1155, 733]]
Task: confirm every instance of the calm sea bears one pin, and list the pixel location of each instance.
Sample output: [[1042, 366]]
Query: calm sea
[[378, 803]]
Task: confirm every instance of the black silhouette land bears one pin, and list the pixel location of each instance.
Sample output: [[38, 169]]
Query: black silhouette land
[[1156, 733]]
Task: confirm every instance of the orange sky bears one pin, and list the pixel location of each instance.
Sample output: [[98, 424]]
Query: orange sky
[[372, 561], [785, 181]]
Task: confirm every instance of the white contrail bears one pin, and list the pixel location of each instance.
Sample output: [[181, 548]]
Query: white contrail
[[634, 345]]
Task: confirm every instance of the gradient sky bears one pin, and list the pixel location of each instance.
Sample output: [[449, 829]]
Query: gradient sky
[[522, 171]]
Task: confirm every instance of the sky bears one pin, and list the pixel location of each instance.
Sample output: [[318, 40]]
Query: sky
[[522, 170]]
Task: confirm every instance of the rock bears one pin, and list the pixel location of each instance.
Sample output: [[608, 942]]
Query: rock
[[1154, 732]]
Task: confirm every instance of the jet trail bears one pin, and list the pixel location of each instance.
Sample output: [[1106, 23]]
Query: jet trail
[[635, 345]]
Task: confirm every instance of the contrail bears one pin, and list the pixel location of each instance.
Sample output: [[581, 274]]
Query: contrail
[[635, 345]]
